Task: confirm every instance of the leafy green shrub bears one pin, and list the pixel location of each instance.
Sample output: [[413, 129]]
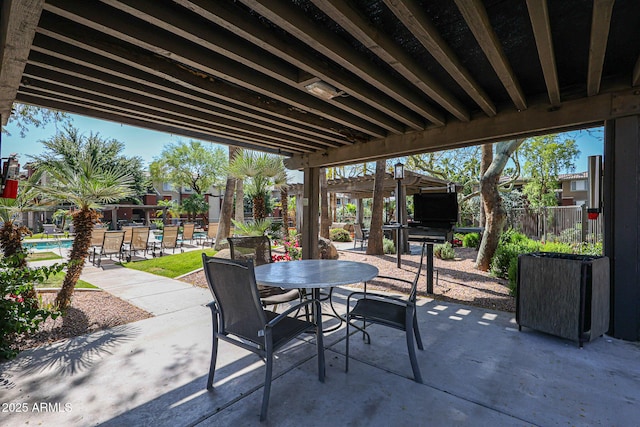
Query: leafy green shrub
[[471, 240], [559, 247], [585, 248], [444, 251], [252, 228], [339, 235], [506, 252], [512, 236], [388, 246], [20, 311]]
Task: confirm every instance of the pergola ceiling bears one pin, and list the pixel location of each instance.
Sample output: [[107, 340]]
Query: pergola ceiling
[[410, 76]]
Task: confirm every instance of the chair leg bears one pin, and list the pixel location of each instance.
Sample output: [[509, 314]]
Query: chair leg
[[214, 351], [412, 355], [416, 332], [346, 357], [320, 346], [267, 385], [212, 366]]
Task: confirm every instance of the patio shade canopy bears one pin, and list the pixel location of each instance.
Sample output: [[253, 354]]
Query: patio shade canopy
[[362, 187], [327, 82]]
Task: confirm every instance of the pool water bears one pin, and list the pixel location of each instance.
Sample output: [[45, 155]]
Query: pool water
[[51, 244]]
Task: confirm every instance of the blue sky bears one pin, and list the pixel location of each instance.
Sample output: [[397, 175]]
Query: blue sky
[[148, 144]]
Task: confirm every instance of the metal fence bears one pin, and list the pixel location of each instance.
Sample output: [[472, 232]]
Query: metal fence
[[567, 224]]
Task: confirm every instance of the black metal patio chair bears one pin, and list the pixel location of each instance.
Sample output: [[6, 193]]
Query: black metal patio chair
[[387, 310], [239, 318], [258, 248]]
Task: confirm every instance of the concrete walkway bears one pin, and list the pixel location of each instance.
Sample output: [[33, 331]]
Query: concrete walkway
[[478, 370]]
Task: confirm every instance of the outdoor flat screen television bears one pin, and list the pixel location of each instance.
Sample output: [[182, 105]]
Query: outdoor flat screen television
[[435, 209]]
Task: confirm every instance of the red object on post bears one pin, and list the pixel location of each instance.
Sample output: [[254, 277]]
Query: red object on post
[[592, 215], [10, 189]]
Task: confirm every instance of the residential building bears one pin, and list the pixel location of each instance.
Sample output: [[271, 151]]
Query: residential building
[[574, 188]]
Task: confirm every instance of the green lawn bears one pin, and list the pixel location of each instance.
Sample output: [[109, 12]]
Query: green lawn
[[43, 256], [171, 265], [55, 281]]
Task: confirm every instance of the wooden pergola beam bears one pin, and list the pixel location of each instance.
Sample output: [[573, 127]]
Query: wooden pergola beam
[[311, 70], [78, 40], [86, 109], [336, 49], [18, 22], [539, 15], [538, 119], [600, 23], [387, 50], [426, 33], [238, 49], [477, 19], [110, 86], [165, 44]]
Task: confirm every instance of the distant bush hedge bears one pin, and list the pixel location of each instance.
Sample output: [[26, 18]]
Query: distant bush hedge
[[388, 246], [471, 240], [444, 251]]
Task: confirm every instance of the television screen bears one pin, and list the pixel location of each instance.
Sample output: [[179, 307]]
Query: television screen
[[436, 209]]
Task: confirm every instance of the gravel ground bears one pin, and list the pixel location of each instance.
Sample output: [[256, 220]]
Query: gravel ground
[[458, 280], [90, 311]]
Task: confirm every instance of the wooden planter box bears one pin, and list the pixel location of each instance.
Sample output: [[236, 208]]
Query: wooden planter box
[[563, 294]]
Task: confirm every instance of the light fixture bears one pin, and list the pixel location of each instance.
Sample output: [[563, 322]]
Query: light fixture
[[322, 89], [398, 171]]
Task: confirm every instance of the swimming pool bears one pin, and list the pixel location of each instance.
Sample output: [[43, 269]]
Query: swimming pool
[[48, 244]]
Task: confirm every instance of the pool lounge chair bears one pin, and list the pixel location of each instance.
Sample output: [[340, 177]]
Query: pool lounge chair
[[169, 240], [139, 242], [111, 246]]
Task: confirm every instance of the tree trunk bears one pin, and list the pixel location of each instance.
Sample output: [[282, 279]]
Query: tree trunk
[[485, 162], [83, 222], [333, 198], [224, 223], [374, 246], [11, 241], [325, 220], [240, 200], [259, 208], [494, 210]]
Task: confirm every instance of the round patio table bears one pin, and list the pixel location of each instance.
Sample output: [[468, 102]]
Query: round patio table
[[314, 274]]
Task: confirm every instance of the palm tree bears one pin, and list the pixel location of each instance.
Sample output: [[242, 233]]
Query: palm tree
[[10, 209], [86, 184], [259, 170]]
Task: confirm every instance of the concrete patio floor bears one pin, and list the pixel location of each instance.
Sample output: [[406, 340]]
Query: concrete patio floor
[[478, 370]]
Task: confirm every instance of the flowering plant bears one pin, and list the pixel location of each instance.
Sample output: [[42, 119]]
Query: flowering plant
[[21, 311], [279, 258], [293, 249]]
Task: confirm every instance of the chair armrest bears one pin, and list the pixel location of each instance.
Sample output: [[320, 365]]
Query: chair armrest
[[373, 295], [213, 306], [285, 313], [397, 279]]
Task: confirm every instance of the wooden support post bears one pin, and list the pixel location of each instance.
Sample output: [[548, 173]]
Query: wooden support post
[[311, 213]]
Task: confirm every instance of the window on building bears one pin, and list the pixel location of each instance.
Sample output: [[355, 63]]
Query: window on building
[[579, 185], [167, 187]]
